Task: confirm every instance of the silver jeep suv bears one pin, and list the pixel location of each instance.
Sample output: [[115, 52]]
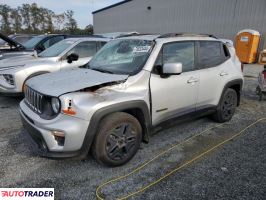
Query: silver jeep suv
[[132, 85]]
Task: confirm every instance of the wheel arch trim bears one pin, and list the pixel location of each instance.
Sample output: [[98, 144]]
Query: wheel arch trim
[[119, 107], [237, 82]]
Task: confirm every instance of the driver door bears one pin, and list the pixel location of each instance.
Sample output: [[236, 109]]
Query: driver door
[[85, 50], [174, 95]]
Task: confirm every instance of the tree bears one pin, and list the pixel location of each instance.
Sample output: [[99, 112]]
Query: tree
[[31, 18], [49, 20], [59, 21], [36, 15], [5, 14], [89, 29], [71, 24], [16, 20], [26, 15], [46, 17]]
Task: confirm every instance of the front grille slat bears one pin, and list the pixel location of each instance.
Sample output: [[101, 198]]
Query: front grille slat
[[34, 100], [38, 103]]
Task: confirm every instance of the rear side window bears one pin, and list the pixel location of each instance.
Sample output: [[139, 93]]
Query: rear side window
[[179, 52], [210, 54]]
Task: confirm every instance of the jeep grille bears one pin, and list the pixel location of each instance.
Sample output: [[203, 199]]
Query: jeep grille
[[33, 99]]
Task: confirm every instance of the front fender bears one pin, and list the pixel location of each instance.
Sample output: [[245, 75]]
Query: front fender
[[119, 107]]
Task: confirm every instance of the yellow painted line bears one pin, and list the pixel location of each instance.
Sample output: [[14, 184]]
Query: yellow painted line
[[142, 189]]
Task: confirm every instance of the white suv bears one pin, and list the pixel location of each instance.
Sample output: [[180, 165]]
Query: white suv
[[132, 85]]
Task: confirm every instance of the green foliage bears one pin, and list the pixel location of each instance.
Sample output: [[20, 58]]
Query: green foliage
[[71, 24], [30, 18], [5, 14], [16, 20]]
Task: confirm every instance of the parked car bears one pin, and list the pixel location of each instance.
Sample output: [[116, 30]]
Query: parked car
[[20, 38], [38, 44], [131, 86], [66, 54]]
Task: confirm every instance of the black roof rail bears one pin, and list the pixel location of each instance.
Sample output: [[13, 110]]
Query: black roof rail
[[134, 34], [167, 35], [83, 36]]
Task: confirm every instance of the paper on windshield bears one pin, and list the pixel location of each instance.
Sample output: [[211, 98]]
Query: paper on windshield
[[141, 49]]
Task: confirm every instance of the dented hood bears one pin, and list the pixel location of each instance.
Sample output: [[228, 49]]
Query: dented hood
[[62, 82]]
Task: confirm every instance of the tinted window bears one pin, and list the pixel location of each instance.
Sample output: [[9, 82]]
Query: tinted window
[[30, 44], [22, 39], [226, 52], [101, 44], [180, 52], [52, 41], [57, 49], [210, 54], [84, 49]]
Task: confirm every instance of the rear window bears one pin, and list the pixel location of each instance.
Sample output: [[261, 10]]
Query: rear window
[[211, 54]]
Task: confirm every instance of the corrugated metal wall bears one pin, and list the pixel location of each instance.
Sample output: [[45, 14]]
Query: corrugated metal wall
[[223, 18]]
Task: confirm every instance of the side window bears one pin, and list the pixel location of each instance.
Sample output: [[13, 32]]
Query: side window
[[84, 49], [52, 41], [101, 44], [179, 52], [210, 54], [226, 52]]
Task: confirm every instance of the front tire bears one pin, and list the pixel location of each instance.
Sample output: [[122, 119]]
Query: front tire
[[118, 139], [227, 106]]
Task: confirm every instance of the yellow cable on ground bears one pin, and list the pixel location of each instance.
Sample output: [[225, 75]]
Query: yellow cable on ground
[[175, 169]]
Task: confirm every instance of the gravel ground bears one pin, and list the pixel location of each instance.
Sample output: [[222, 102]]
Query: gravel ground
[[235, 171]]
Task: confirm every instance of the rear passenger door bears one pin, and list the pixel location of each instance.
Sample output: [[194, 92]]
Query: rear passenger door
[[174, 95], [214, 69]]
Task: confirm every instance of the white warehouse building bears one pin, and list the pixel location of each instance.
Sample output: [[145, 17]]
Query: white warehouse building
[[223, 18]]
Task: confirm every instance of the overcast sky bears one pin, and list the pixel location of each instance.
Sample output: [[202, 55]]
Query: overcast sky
[[82, 8]]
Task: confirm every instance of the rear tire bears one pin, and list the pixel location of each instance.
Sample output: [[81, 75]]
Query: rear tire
[[227, 106], [118, 139]]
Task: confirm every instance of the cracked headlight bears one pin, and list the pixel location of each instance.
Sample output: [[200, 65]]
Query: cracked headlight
[[9, 79]]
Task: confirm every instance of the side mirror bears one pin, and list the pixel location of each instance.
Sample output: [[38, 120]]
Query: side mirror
[[72, 57], [172, 69]]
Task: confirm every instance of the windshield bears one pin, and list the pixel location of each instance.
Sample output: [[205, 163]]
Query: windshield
[[30, 44], [122, 56], [56, 49]]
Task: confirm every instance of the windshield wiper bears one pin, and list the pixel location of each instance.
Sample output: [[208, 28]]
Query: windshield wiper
[[102, 70]]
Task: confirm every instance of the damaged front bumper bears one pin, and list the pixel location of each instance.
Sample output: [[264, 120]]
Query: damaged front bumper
[[47, 144]]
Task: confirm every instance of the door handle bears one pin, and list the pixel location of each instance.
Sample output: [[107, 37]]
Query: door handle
[[223, 74], [193, 80]]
